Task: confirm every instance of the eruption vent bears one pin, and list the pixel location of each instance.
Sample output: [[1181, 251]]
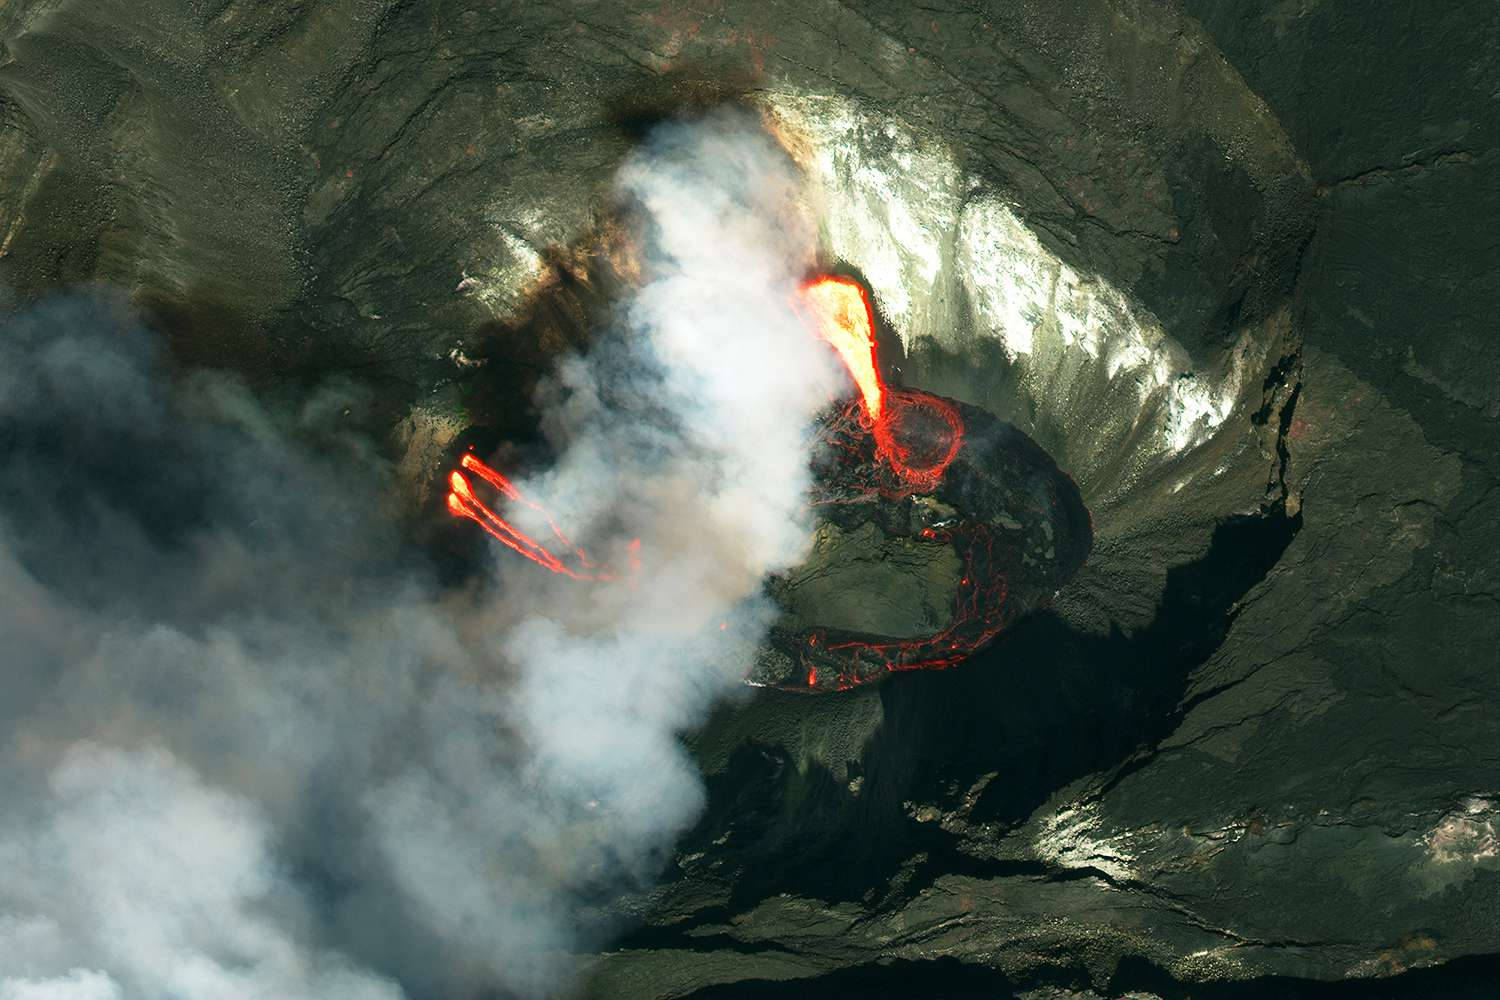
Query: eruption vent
[[463, 503], [916, 434], [841, 310]]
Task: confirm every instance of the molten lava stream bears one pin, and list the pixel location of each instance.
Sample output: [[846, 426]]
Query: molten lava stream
[[916, 434], [462, 502], [508, 489], [841, 310]]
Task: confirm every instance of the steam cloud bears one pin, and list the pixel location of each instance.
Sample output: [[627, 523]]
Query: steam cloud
[[253, 750]]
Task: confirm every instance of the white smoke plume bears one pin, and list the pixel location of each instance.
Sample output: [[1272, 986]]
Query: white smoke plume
[[252, 750]]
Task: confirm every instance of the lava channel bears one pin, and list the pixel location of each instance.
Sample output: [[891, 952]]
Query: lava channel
[[570, 560], [916, 434]]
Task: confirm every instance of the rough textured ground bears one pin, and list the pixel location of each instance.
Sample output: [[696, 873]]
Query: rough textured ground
[[1256, 737]]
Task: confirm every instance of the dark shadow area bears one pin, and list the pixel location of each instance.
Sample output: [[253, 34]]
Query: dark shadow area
[[682, 93], [940, 979], [1047, 704], [1043, 706], [949, 979], [206, 331], [1462, 979], [510, 360]]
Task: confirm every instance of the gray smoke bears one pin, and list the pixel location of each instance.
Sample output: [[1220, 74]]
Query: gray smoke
[[253, 750]]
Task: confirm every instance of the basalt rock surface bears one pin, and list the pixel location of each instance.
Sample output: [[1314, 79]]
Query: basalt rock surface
[[1231, 263]]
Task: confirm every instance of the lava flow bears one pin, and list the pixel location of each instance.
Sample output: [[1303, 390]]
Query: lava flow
[[916, 434], [920, 469], [462, 502]]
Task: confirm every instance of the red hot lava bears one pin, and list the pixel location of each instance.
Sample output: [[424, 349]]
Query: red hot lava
[[462, 502], [893, 445], [916, 434], [1015, 521]]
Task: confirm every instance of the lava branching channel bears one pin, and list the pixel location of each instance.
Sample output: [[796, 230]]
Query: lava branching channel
[[921, 469], [558, 554]]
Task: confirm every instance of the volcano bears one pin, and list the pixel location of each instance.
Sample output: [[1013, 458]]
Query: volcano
[[293, 298], [918, 480], [912, 478]]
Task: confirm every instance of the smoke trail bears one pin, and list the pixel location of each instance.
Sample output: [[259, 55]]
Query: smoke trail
[[254, 752], [688, 431]]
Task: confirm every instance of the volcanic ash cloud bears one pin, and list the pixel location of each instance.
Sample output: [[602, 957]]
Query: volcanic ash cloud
[[251, 751]]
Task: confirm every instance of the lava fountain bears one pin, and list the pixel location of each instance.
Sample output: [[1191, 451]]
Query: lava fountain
[[916, 434], [917, 470]]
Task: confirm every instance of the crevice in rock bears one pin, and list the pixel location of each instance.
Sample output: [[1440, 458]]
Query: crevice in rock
[[1377, 174], [1283, 454], [1280, 391], [1282, 374], [675, 939]]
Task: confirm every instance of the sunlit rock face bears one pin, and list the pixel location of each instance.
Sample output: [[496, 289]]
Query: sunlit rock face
[[955, 267]]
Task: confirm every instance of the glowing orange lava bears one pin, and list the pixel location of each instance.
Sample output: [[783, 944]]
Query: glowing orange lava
[[841, 310], [916, 434], [463, 503]]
